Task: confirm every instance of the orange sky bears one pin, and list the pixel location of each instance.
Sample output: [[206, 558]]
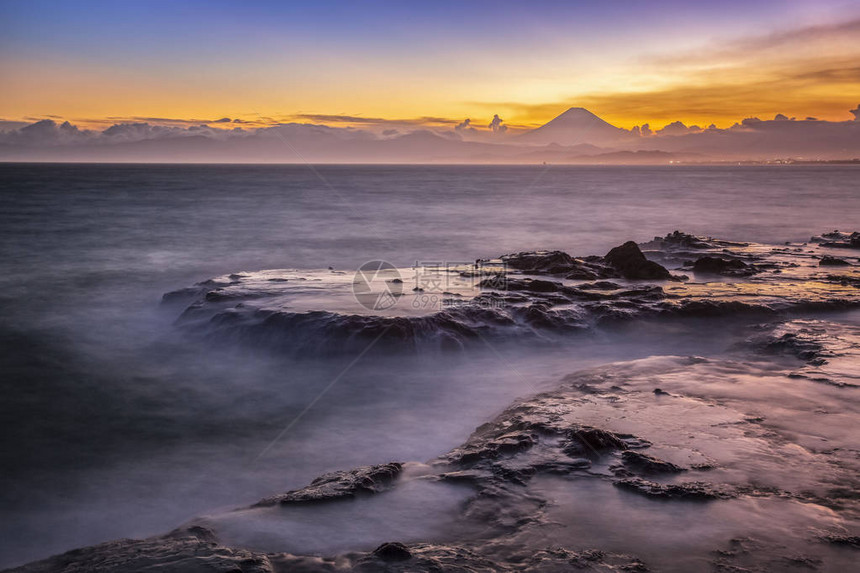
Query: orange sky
[[654, 69]]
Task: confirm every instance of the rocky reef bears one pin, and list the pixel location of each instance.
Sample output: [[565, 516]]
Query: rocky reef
[[838, 240], [341, 485], [529, 295]]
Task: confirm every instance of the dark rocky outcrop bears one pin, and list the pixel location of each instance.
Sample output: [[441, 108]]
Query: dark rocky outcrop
[[600, 285], [587, 441], [844, 280], [556, 263], [694, 491], [527, 285], [852, 541], [458, 559], [720, 266], [192, 550], [679, 239], [392, 551], [632, 264], [509, 300], [341, 485], [185, 551], [838, 240], [645, 464], [541, 262], [803, 339], [828, 261]]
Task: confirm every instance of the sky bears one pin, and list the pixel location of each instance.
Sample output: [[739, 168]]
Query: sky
[[96, 63]]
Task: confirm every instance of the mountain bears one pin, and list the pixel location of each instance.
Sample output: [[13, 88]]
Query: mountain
[[576, 136], [576, 125]]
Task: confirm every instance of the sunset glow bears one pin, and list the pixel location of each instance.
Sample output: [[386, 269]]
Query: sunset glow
[[464, 286], [97, 63]]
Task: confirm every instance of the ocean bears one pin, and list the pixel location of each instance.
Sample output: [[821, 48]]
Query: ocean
[[118, 423]]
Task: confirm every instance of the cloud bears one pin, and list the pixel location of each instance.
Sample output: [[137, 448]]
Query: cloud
[[140, 131], [171, 121], [734, 94], [677, 128], [725, 101], [46, 130], [795, 72], [642, 131], [856, 113], [496, 125], [751, 138], [357, 119], [7, 125], [47, 133]]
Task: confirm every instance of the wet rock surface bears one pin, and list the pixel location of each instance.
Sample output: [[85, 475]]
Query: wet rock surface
[[534, 296], [632, 264], [697, 491], [829, 351], [828, 261], [838, 240], [643, 463], [341, 485], [193, 550], [720, 266], [542, 262]]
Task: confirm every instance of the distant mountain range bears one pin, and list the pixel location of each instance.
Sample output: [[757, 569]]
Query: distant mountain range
[[577, 136]]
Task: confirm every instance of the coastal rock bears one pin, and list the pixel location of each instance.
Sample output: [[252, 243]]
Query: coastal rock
[[694, 491], [852, 541], [392, 552], [600, 285], [830, 351], [726, 267], [541, 262], [679, 239], [844, 280], [436, 558], [632, 264], [341, 485], [426, 557], [804, 339], [501, 299], [828, 261], [587, 441], [527, 285], [838, 240], [643, 463], [193, 551], [556, 263]]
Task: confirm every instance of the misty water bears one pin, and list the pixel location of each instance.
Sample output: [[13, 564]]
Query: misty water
[[117, 424]]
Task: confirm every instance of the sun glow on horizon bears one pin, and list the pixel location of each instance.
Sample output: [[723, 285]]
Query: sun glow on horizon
[[277, 64]]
